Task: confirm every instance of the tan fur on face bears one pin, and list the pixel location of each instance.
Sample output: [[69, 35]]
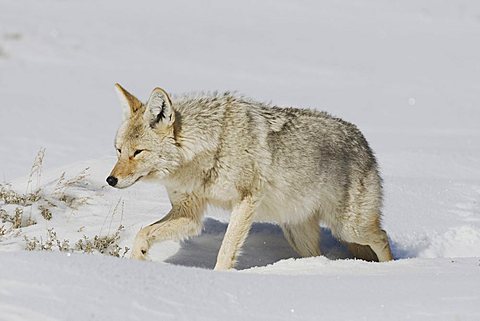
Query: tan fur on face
[[124, 168]]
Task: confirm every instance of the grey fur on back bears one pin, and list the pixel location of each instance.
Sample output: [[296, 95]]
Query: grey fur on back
[[301, 155]]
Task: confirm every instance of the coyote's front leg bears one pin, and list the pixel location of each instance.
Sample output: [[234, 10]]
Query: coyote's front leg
[[237, 231], [183, 220]]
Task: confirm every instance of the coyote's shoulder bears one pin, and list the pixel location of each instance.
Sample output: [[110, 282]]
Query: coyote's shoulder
[[296, 167]]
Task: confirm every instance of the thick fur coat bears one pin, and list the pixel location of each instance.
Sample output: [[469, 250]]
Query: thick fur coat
[[294, 167]]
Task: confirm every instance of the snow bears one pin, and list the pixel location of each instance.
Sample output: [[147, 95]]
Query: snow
[[103, 288], [407, 73]]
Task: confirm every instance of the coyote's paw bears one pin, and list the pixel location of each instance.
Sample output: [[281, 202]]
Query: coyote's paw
[[140, 247]]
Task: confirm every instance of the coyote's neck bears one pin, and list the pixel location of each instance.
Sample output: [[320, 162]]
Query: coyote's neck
[[199, 124]]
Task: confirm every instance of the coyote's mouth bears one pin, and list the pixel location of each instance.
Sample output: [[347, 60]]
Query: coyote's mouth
[[125, 186]]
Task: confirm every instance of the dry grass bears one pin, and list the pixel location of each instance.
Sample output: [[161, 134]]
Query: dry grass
[[17, 218], [37, 197], [45, 212], [9, 196], [61, 194], [107, 244], [3, 230], [44, 201]]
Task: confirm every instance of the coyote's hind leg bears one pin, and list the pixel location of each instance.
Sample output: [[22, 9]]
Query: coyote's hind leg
[[373, 236], [304, 237]]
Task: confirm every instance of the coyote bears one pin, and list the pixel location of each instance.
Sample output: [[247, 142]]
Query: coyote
[[294, 167]]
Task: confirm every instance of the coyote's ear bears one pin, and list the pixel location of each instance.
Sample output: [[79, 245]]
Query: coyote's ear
[[159, 109], [129, 102]]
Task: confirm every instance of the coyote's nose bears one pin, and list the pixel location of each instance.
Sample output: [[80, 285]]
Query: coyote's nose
[[112, 181]]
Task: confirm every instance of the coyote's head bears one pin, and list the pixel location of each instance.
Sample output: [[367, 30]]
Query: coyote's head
[[145, 142]]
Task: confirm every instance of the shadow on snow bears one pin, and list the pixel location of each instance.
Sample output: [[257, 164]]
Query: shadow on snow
[[265, 245]]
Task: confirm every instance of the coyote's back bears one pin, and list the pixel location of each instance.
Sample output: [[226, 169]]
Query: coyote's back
[[295, 167]]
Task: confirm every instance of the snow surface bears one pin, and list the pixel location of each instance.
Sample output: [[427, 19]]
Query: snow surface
[[407, 73], [100, 288]]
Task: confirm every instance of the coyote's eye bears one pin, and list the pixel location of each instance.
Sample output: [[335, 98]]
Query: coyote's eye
[[138, 151]]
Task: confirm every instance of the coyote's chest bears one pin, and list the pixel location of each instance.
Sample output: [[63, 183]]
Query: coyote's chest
[[205, 182]]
